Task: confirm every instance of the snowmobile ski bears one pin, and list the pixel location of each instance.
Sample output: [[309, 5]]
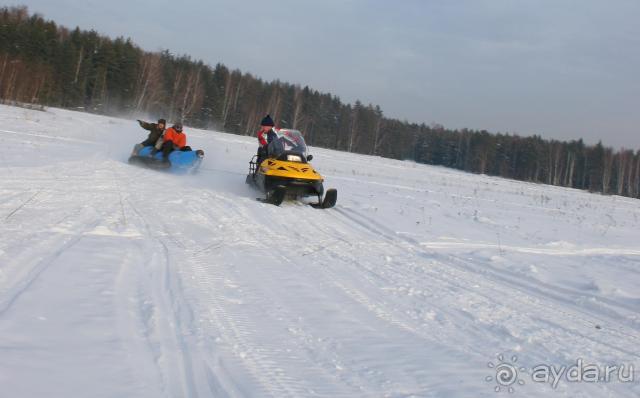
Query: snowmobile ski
[[330, 199], [275, 197]]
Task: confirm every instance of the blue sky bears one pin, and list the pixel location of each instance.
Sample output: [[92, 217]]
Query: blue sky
[[561, 69]]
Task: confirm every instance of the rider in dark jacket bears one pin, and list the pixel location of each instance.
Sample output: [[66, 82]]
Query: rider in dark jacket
[[156, 130], [266, 134]]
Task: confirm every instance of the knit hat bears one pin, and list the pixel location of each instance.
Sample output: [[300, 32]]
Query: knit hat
[[162, 121], [267, 121], [177, 127]]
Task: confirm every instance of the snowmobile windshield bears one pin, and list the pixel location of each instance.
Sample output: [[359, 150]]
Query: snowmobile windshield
[[291, 142]]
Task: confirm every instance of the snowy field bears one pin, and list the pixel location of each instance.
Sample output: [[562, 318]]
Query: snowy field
[[117, 281]]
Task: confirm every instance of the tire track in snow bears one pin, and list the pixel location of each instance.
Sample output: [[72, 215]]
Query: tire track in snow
[[376, 303], [199, 303], [521, 298], [11, 194], [332, 281], [268, 364], [237, 329], [556, 331], [22, 205], [63, 243], [133, 324], [162, 319]]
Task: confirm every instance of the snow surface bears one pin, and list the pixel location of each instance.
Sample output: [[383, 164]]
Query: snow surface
[[118, 281]]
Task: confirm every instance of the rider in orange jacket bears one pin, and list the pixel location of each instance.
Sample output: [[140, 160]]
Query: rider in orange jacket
[[174, 139]]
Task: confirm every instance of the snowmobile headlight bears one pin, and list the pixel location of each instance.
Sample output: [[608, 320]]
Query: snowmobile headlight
[[294, 158]]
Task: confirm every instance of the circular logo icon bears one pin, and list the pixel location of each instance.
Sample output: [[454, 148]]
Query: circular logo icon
[[505, 374]]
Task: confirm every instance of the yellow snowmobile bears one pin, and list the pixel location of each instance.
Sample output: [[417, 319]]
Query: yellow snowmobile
[[286, 172]]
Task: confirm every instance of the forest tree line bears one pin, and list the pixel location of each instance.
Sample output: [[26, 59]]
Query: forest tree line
[[43, 63]]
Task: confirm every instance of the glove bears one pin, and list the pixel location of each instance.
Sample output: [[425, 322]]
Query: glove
[[141, 123]]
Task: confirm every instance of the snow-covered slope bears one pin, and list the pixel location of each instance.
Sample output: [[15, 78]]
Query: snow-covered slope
[[117, 281]]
